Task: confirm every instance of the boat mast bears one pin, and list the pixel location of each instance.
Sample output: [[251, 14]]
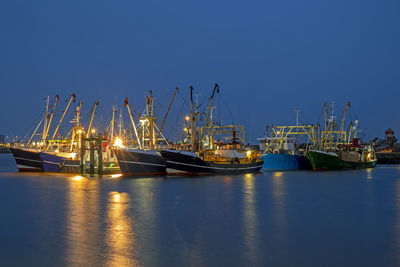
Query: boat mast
[[51, 118], [196, 113], [341, 125], [62, 117], [326, 125], [91, 118], [332, 122], [193, 119], [216, 89], [46, 114], [210, 141], [150, 118], [298, 111], [114, 109], [349, 137], [37, 127], [133, 123], [120, 123], [76, 131], [166, 114]]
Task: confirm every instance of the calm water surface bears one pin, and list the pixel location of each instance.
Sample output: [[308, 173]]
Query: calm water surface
[[347, 218]]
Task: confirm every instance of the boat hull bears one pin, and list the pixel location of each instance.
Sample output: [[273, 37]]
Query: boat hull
[[27, 161], [179, 163], [51, 163], [285, 162], [325, 161], [141, 162], [70, 166]]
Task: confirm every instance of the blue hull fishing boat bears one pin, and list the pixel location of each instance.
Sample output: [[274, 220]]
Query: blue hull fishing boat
[[285, 162], [284, 149], [51, 162]]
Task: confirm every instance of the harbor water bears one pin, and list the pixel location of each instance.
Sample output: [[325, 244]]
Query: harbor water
[[298, 218]]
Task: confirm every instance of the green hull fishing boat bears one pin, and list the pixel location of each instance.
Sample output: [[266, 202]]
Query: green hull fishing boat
[[322, 160], [336, 152]]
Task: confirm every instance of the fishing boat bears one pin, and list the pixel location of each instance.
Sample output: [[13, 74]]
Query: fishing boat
[[281, 162], [27, 160], [34, 160], [45, 155], [140, 162], [350, 157], [214, 161], [143, 157], [210, 152], [281, 152], [341, 154], [28, 157], [96, 153]]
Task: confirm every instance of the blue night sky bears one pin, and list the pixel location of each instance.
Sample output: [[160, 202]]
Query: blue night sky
[[269, 57]]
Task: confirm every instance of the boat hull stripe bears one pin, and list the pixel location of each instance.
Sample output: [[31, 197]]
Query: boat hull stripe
[[210, 167], [142, 163], [27, 159]]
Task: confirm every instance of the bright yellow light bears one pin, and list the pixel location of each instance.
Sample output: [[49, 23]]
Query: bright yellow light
[[77, 178], [79, 131], [34, 143], [116, 175], [278, 132], [57, 151], [187, 118], [73, 155], [185, 129], [117, 197], [278, 174], [248, 153], [118, 142], [93, 130]]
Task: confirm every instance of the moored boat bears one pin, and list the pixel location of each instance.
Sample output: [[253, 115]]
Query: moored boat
[[280, 152], [354, 159], [27, 160], [143, 158], [52, 161], [213, 148], [285, 162], [140, 162], [337, 153], [184, 162]]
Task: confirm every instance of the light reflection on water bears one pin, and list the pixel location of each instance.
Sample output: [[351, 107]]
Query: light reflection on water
[[83, 221], [278, 193], [250, 218], [369, 173], [119, 234], [274, 218], [397, 224], [84, 233]]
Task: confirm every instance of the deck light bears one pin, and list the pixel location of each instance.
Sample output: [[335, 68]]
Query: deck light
[[118, 142]]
